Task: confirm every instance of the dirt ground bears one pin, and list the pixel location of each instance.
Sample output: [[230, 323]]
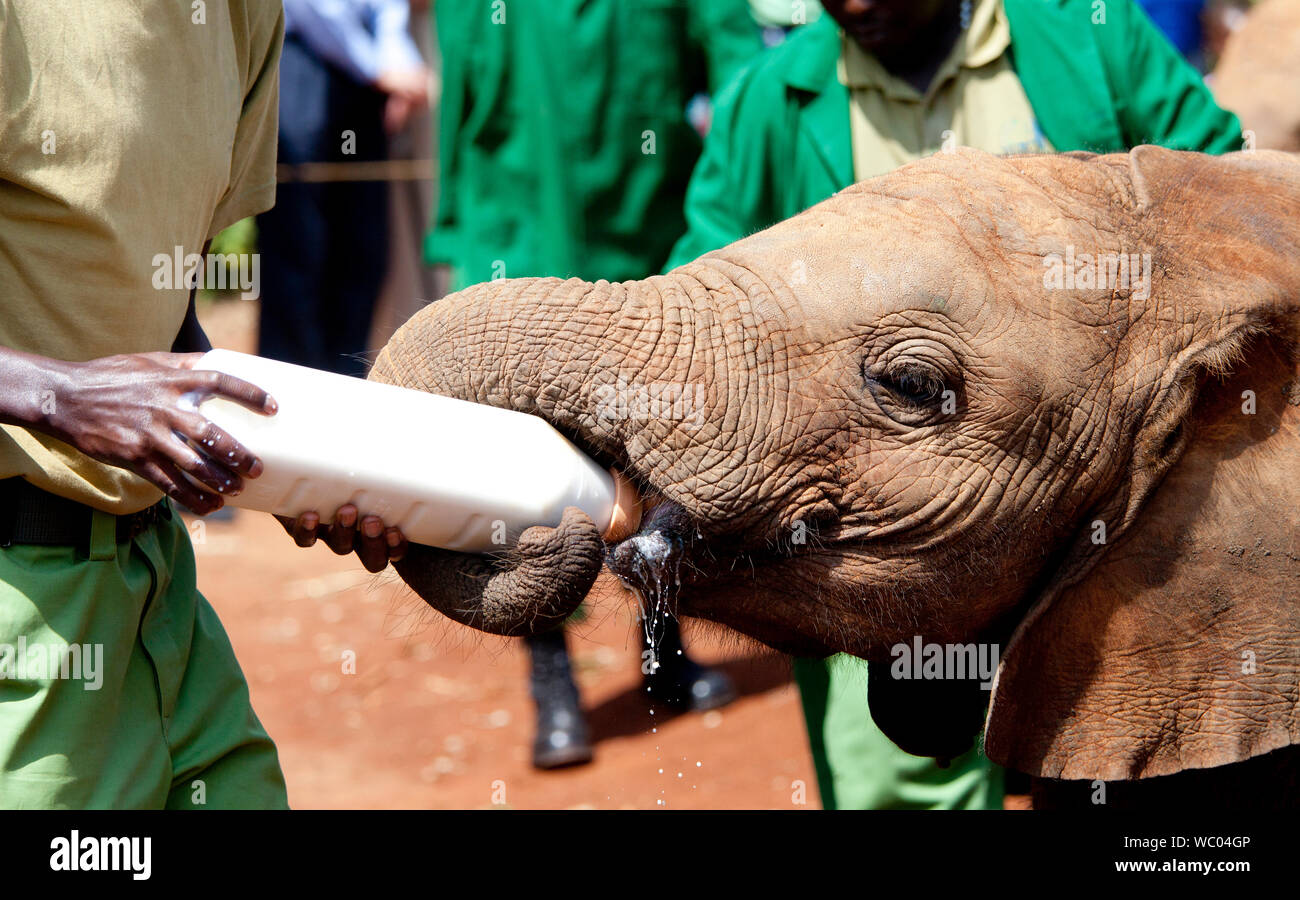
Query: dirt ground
[[435, 715], [376, 702]]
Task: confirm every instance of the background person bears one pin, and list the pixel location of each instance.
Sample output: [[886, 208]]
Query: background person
[[350, 76]]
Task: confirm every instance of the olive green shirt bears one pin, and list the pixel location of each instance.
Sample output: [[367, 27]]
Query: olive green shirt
[[974, 100], [127, 131]]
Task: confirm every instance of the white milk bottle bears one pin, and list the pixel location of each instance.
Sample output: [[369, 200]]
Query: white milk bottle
[[448, 473]]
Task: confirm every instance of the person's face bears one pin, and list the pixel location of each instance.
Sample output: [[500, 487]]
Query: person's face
[[880, 24]]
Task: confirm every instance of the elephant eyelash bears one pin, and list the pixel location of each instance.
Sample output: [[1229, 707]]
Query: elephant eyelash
[[909, 392], [917, 385], [913, 384]]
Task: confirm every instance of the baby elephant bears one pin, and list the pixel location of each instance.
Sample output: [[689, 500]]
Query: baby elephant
[[1041, 412]]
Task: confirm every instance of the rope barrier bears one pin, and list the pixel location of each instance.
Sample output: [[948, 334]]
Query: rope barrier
[[377, 170]]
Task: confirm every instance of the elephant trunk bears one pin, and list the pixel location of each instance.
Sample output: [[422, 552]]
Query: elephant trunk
[[551, 348], [542, 346]]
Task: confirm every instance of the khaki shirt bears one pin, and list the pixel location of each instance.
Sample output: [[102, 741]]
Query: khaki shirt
[[127, 130], [975, 100]]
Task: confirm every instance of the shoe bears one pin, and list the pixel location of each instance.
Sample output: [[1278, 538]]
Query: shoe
[[680, 682], [561, 738]]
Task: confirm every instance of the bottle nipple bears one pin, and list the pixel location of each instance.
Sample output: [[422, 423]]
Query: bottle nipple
[[626, 516]]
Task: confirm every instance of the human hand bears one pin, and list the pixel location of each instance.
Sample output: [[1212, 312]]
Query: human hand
[[408, 91], [374, 544], [127, 411], [411, 82]]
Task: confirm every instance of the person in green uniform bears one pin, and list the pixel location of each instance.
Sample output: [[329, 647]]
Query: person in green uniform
[[867, 88], [566, 150], [129, 135], [565, 147]]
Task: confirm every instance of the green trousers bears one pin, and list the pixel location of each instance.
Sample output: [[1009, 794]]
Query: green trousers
[[118, 686], [859, 768]]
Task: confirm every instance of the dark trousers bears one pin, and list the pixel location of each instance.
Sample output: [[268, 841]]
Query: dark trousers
[[323, 245]]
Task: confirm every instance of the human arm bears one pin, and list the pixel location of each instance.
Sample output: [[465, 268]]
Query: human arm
[[730, 192], [1160, 97], [369, 40], [726, 32], [364, 38], [452, 33]]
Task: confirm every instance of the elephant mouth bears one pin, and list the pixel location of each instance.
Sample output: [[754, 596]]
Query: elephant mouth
[[672, 571], [676, 565], [650, 560], [650, 563]]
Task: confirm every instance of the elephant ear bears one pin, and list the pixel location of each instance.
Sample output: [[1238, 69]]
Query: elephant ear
[[1175, 644]]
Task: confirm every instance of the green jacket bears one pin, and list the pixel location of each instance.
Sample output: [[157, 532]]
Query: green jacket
[[780, 140], [565, 148]]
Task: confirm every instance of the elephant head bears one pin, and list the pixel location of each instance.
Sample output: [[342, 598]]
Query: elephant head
[[1048, 401]]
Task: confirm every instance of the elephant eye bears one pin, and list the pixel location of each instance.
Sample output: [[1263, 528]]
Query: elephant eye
[[914, 384], [909, 391]]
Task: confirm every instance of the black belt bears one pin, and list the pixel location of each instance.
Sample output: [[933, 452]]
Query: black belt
[[29, 515]]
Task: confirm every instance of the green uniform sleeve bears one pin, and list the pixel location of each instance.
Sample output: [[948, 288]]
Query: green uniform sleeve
[[1160, 98], [439, 241], [726, 31], [729, 195]]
